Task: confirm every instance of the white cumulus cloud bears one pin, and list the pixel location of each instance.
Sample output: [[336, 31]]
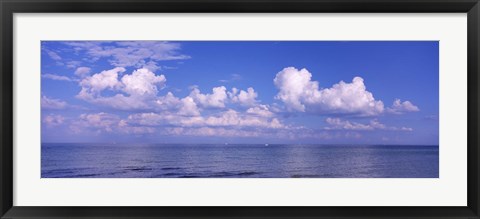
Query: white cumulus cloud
[[140, 90], [299, 93], [188, 107], [98, 82], [260, 110], [167, 102], [399, 107], [142, 82], [216, 99], [244, 98], [133, 91]]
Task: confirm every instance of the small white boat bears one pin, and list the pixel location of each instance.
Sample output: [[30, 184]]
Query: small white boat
[[266, 144]]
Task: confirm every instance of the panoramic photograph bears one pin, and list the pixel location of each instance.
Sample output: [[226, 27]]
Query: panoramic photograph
[[239, 109]]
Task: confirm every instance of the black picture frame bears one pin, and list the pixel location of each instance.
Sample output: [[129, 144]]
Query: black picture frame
[[9, 7]]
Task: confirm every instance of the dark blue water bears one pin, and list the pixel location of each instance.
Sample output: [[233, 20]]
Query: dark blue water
[[237, 161]]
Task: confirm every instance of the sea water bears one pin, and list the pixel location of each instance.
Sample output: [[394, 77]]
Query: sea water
[[75, 160]]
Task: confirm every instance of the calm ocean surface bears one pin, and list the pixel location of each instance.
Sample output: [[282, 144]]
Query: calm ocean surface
[[237, 161]]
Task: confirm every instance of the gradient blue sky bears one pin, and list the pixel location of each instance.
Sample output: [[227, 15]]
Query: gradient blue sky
[[320, 92]]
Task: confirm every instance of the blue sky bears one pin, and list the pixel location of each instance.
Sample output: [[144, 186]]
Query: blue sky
[[308, 92]]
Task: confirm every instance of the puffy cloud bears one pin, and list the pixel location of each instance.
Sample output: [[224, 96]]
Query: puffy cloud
[[98, 82], [260, 110], [294, 86], [184, 107], [53, 120], [244, 98], [48, 103], [219, 97], [141, 88], [188, 107], [340, 124], [399, 107], [82, 71], [299, 93], [142, 82], [214, 100], [169, 101], [57, 77]]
